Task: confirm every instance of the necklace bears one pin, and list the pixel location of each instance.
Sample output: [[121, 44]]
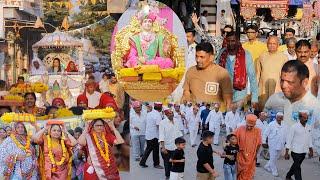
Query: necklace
[[25, 147], [51, 157], [105, 153]]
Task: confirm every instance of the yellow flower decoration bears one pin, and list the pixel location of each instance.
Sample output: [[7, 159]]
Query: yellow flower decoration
[[107, 113], [17, 117], [39, 87], [105, 153], [64, 112], [64, 152], [13, 98]]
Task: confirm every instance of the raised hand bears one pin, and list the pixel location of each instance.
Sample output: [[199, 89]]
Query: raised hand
[[195, 18]]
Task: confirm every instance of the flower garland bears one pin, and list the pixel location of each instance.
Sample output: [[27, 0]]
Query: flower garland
[[107, 113], [104, 154], [17, 117], [25, 148], [64, 153]]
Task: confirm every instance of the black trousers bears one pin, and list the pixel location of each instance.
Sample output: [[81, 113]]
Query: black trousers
[[167, 164], [296, 166], [152, 146]]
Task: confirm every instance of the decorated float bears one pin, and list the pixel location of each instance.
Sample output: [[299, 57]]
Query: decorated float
[[66, 85], [147, 54]]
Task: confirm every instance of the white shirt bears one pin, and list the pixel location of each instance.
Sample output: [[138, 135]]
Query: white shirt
[[153, 120], [290, 57], [104, 86], [215, 119], [309, 103], [93, 99], [276, 102], [204, 23], [179, 120], [168, 132], [193, 121], [261, 125], [138, 121], [191, 60], [299, 138], [276, 135], [232, 119]]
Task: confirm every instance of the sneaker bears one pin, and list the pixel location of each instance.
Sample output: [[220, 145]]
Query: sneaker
[[143, 165], [158, 167]]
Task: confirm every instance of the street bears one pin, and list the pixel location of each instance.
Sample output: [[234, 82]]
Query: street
[[310, 167]]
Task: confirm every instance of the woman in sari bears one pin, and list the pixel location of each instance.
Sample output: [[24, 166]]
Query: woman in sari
[[18, 159], [56, 66], [71, 67], [55, 151], [98, 138], [30, 105]]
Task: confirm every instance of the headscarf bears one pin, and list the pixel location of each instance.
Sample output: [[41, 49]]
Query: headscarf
[[55, 101], [106, 100], [68, 69], [42, 68], [82, 98]]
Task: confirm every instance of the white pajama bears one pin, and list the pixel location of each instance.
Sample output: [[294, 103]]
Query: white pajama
[[216, 131], [176, 176], [193, 136], [215, 119], [272, 163]]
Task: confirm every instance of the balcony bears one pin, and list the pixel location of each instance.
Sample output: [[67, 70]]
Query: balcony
[[32, 7]]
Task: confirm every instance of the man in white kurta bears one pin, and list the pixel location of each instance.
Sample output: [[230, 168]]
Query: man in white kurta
[[179, 117], [232, 119], [194, 122], [215, 120], [168, 132], [137, 130], [262, 124], [276, 133]]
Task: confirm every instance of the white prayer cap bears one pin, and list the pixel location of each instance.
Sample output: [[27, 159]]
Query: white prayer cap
[[216, 105], [279, 114], [304, 111]]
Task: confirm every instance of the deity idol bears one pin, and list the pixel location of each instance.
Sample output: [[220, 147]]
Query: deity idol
[[147, 47]]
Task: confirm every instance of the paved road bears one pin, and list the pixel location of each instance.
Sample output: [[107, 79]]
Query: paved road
[[310, 168]]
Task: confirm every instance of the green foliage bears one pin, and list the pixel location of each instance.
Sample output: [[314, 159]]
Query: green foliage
[[53, 13]]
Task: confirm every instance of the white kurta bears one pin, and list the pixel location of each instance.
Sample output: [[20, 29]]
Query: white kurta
[[168, 132], [276, 135], [93, 99], [179, 120], [193, 121], [152, 125], [231, 121], [215, 119]]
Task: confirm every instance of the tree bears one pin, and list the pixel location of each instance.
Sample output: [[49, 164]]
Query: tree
[[100, 34], [55, 11]]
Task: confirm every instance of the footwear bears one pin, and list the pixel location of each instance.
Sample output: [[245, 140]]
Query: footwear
[[267, 169], [257, 164], [275, 174], [167, 178], [158, 167], [143, 165], [216, 144], [194, 145], [288, 178]]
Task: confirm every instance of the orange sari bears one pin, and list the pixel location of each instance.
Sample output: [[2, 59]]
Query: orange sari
[[60, 172], [248, 142]]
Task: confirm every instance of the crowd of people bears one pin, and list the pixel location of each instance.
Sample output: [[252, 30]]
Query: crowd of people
[[96, 149]]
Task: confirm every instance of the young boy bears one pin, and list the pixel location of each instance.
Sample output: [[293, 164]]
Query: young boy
[[229, 165], [178, 160], [205, 168]]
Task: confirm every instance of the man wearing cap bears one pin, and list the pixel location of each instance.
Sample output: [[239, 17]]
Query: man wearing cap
[[137, 130], [180, 117], [276, 134], [152, 135], [299, 141], [215, 120], [168, 132], [193, 120], [249, 140]]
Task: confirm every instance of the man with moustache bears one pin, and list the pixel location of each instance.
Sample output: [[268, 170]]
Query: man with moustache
[[207, 82]]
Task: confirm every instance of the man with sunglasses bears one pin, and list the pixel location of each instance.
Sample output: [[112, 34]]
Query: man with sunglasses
[[254, 46]]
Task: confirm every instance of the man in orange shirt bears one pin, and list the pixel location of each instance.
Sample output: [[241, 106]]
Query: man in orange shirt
[[249, 139]]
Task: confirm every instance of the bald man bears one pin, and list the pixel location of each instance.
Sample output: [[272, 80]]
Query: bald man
[[268, 69]]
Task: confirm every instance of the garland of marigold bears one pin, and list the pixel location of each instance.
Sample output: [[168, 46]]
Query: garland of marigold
[[64, 152], [104, 154], [25, 148]]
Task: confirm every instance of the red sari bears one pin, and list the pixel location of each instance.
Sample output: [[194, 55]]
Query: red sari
[[96, 161]]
